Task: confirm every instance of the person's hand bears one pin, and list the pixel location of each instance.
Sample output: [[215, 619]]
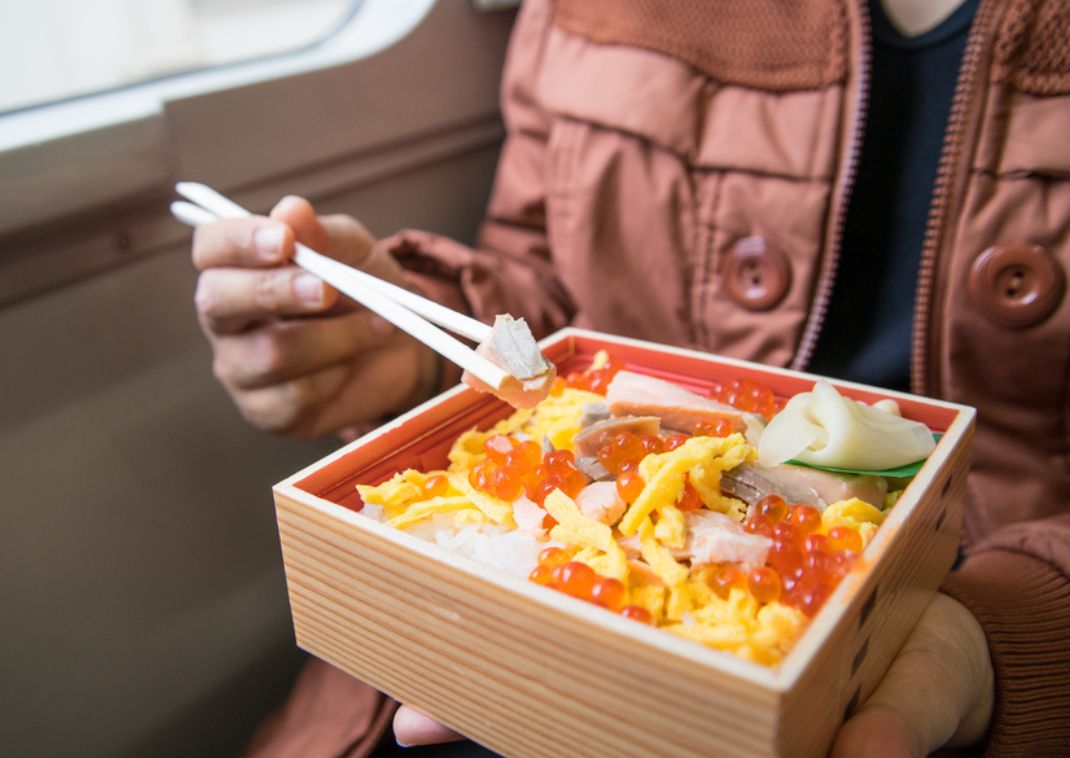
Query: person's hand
[[296, 358], [412, 728], [939, 691]]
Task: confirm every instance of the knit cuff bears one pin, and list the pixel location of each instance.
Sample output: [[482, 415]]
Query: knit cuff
[[1023, 606]]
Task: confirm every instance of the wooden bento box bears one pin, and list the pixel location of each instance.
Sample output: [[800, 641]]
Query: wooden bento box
[[528, 671]]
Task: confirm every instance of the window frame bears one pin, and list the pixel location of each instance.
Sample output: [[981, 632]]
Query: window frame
[[87, 182]]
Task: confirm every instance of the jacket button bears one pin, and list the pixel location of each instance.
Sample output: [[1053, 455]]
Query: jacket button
[[1016, 284], [756, 274]]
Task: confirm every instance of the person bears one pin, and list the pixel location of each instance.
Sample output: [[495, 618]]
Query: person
[[802, 184]]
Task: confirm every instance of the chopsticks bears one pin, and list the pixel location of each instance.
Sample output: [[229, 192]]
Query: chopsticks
[[406, 310]]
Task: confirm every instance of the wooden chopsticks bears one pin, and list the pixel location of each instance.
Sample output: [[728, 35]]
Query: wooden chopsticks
[[406, 310]]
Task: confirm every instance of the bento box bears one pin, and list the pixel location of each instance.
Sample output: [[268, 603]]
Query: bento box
[[527, 671]]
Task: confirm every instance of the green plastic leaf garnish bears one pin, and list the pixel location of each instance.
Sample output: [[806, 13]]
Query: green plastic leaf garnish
[[900, 472]]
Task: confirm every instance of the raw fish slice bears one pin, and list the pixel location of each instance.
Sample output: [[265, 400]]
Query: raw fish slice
[[715, 538], [593, 413], [528, 517], [512, 347], [711, 538], [592, 468], [631, 394], [799, 484], [601, 501], [591, 439]]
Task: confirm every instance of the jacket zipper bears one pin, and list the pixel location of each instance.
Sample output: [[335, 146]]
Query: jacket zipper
[[854, 147], [925, 377]]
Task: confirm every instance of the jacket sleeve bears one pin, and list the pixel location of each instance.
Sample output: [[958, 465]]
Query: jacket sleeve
[[510, 268], [1017, 583]]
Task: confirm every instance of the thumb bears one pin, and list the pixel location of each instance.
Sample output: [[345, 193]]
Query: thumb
[[414, 728], [938, 691], [299, 215]]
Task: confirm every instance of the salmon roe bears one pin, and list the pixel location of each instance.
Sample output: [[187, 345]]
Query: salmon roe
[[805, 517], [557, 471], [552, 556], [674, 441], [842, 538], [609, 593], [629, 486], [721, 427], [541, 574], [764, 584], [435, 486], [636, 613], [575, 578], [747, 395], [689, 499], [624, 449], [595, 380], [724, 578]]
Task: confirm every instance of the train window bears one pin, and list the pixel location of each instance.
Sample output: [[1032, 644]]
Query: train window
[[69, 48]]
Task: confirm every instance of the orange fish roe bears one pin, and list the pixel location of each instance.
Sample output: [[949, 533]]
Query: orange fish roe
[[747, 395], [630, 486], [621, 451], [636, 613], [541, 574], [552, 556], [595, 380], [689, 498], [802, 566], [722, 427], [435, 486], [609, 593]]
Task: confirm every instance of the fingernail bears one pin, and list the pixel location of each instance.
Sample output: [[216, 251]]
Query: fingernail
[[268, 241], [401, 744], [308, 289], [381, 326]]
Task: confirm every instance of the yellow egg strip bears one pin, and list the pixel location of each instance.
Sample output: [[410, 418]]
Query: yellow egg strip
[[664, 473], [670, 529], [400, 489], [498, 511], [854, 514], [649, 597], [574, 528], [419, 511], [660, 559]]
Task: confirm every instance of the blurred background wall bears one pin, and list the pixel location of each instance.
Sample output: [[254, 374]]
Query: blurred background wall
[[142, 602]]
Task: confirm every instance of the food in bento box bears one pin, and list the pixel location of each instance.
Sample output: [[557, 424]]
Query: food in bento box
[[512, 347], [639, 496]]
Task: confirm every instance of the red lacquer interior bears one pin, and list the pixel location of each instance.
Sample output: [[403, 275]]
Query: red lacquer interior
[[423, 441]]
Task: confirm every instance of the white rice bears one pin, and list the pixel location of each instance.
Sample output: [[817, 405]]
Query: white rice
[[491, 545]]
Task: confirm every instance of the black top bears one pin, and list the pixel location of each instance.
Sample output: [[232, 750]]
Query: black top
[[866, 335]]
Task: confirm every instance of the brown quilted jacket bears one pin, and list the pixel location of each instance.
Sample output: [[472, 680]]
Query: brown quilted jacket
[[678, 171]]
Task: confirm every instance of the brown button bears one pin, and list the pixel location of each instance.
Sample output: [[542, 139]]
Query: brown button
[[1016, 284], [756, 274]]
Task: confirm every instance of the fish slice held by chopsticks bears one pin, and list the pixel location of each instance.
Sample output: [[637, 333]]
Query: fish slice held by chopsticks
[[507, 361], [512, 347]]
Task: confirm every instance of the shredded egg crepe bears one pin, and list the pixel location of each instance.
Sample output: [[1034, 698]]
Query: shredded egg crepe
[[646, 556]]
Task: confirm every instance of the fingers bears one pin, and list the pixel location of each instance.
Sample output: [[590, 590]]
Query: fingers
[[228, 299], [293, 408], [283, 350], [246, 242], [414, 728], [938, 691], [876, 732]]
